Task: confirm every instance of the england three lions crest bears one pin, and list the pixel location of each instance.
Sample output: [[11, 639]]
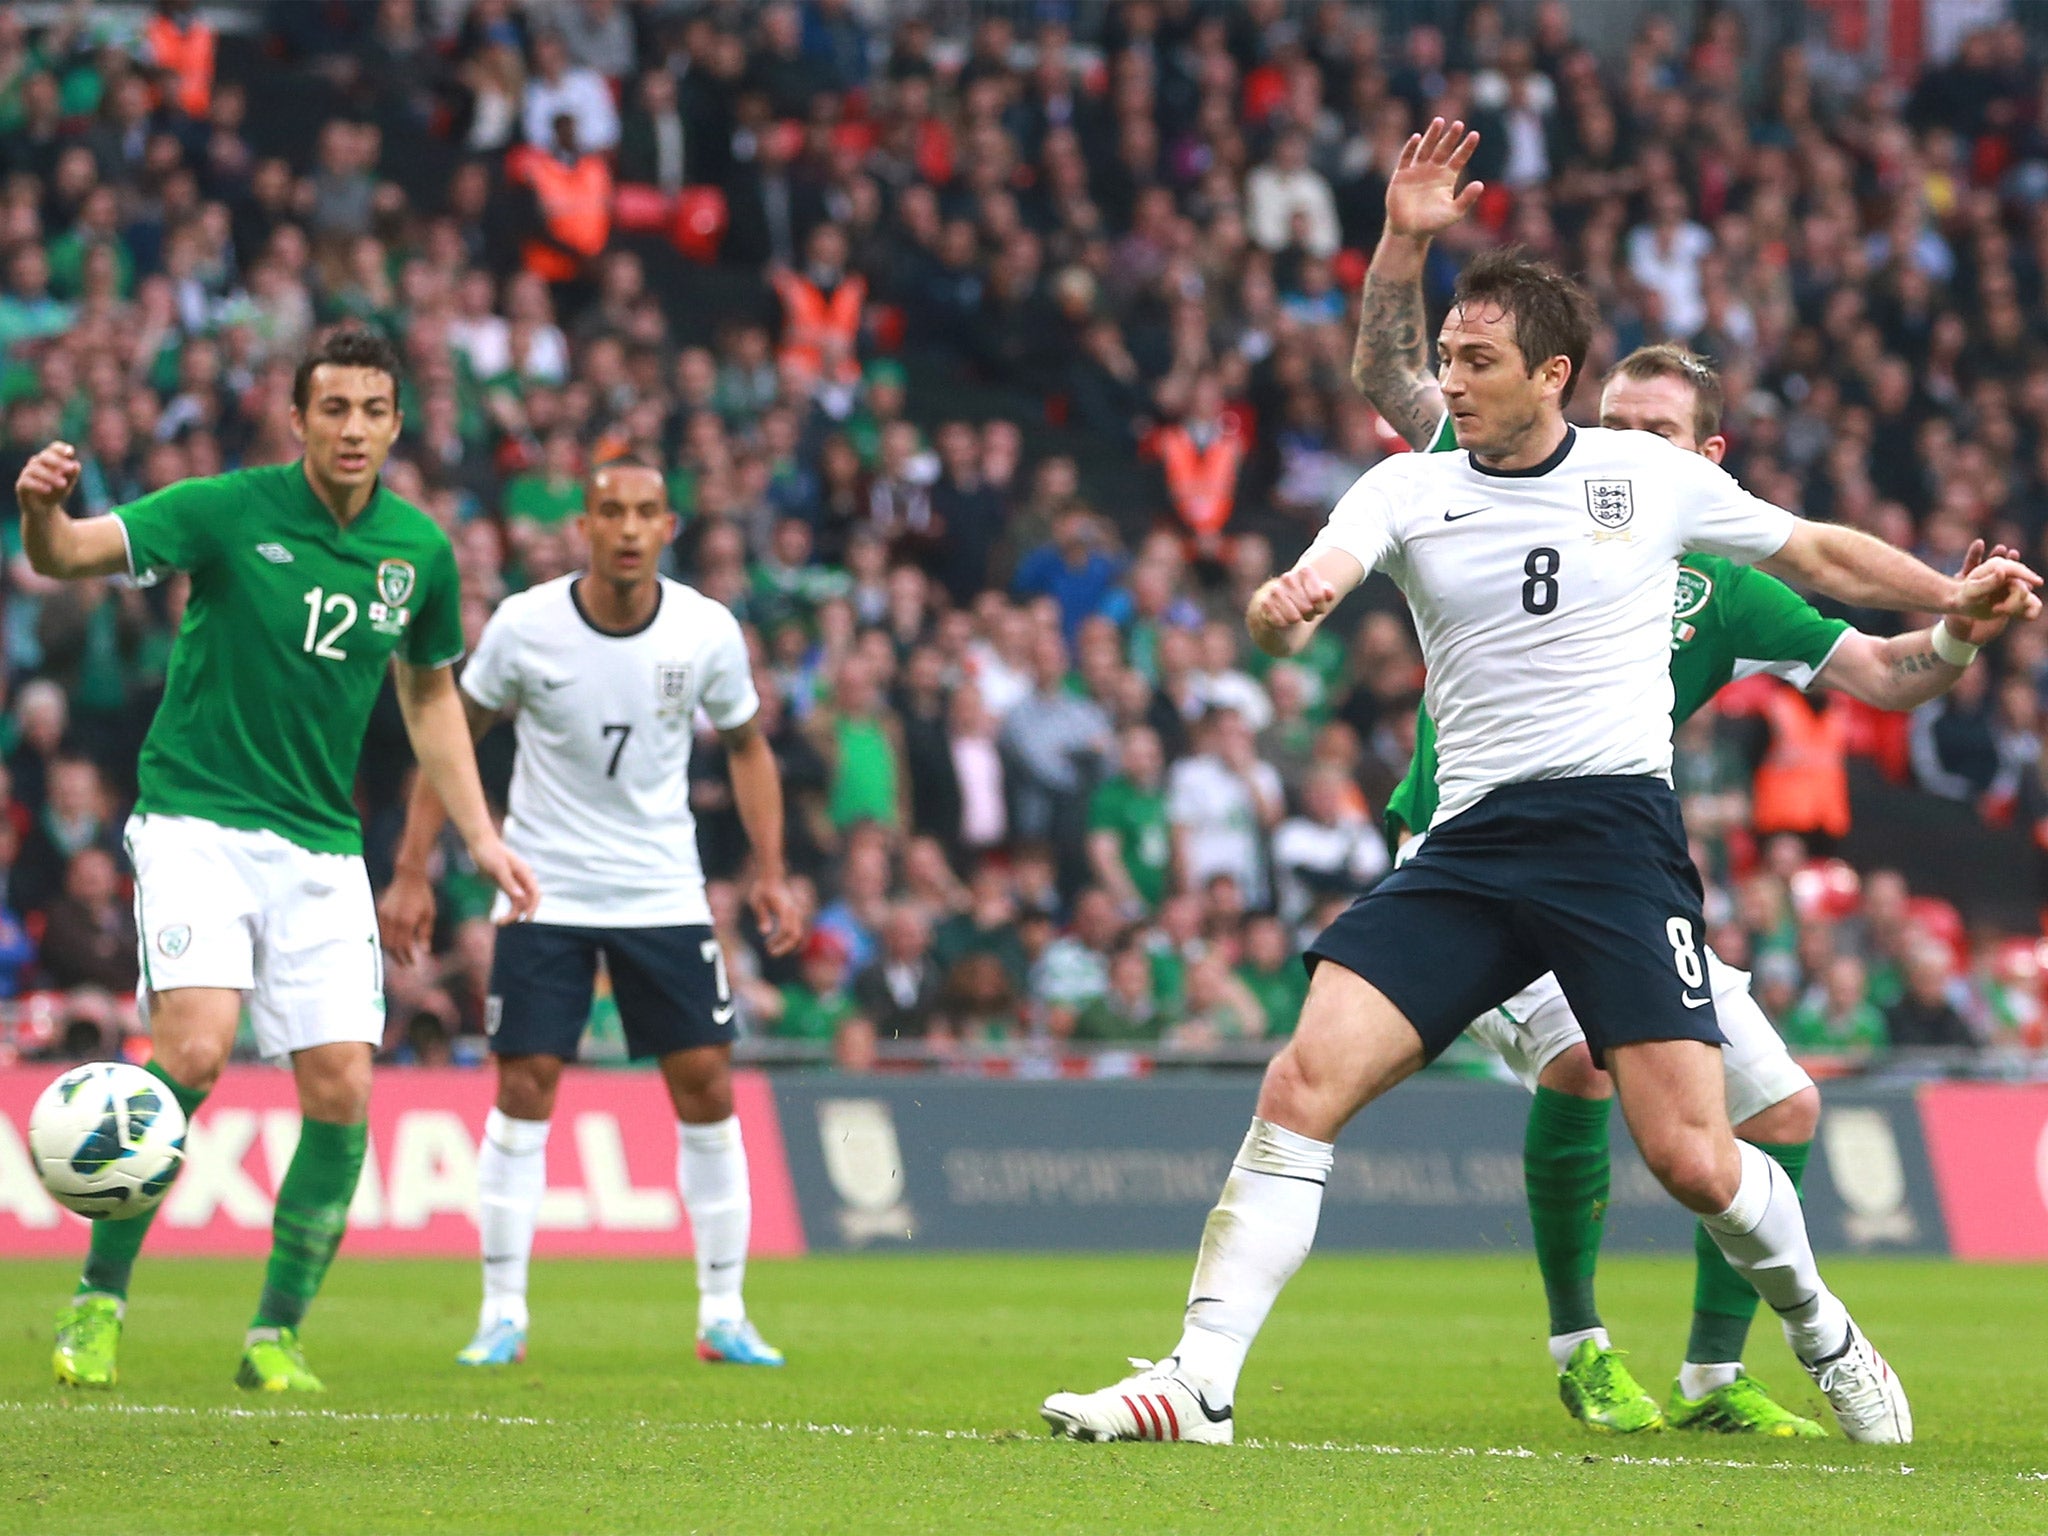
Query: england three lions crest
[[1610, 502], [672, 685]]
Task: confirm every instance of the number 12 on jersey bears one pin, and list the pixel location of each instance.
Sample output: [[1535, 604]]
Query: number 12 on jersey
[[322, 603]]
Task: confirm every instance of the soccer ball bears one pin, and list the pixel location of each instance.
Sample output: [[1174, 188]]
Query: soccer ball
[[107, 1139]]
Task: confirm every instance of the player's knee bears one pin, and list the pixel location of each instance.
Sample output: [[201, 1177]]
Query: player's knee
[[192, 1061], [526, 1086], [1700, 1173], [1790, 1121], [700, 1084], [336, 1087], [1573, 1073]]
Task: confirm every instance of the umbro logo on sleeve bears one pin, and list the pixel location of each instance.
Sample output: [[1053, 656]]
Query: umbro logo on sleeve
[[276, 554]]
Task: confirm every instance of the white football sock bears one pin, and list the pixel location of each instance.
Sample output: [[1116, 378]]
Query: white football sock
[[1696, 1380], [1254, 1241], [711, 1173], [1562, 1344], [1763, 1236], [511, 1177]]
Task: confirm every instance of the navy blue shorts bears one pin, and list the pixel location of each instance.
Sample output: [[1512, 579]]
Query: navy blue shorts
[[1588, 877], [669, 984]]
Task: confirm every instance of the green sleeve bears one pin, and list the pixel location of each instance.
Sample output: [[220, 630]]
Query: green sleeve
[[1412, 805], [1446, 439], [1105, 807], [1771, 623], [435, 636], [177, 528]]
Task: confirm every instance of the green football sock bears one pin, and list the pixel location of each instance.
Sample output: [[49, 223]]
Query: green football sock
[[1723, 1303], [111, 1259], [1565, 1165], [312, 1210]]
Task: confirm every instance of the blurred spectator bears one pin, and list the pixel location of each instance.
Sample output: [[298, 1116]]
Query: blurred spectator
[[1130, 839], [89, 939], [1222, 801], [561, 87], [1927, 1015], [1836, 1015], [899, 991]]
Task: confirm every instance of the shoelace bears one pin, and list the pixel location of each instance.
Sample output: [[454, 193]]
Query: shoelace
[[1865, 1397], [1606, 1367]]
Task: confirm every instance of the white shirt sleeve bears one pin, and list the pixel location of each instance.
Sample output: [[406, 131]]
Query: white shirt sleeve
[[729, 697], [1718, 517], [492, 676], [1362, 523]]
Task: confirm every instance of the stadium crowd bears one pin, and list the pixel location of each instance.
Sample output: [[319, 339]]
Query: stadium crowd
[[991, 366]]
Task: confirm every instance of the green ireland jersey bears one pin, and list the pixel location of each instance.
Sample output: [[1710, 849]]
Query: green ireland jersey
[[1144, 835], [291, 623], [1728, 621]]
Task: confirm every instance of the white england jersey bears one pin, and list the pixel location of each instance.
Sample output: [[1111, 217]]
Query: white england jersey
[[1543, 597], [601, 785]]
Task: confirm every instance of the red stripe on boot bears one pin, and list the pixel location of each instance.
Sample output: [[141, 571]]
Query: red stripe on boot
[[1172, 1419], [1136, 1417]]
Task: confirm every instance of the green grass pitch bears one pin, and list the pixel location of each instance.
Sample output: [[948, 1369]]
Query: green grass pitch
[[1388, 1394]]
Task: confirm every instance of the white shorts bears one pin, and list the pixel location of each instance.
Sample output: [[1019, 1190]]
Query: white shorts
[[223, 907], [1535, 1027]]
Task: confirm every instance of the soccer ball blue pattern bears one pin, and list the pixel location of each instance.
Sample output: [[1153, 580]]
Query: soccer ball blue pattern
[[107, 1140]]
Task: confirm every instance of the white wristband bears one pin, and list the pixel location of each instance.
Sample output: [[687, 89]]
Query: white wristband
[[1957, 653]]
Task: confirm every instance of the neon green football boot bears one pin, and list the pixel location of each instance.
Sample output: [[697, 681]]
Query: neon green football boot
[[1742, 1407], [1599, 1392], [276, 1365], [88, 1334]]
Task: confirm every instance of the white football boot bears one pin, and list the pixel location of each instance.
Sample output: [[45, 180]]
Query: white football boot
[[1868, 1398], [1153, 1403]]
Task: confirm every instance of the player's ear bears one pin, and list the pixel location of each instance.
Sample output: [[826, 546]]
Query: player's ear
[[1715, 448], [298, 424]]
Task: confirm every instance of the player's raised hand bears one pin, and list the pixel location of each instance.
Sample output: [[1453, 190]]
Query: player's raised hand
[[1999, 588], [1423, 197], [510, 874], [405, 916], [779, 914], [47, 479], [1980, 631], [1294, 597]]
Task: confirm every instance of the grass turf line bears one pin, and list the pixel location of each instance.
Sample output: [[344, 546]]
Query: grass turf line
[[1396, 1394]]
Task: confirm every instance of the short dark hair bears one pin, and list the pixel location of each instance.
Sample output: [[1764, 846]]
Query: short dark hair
[[1553, 315], [1669, 360], [349, 347]]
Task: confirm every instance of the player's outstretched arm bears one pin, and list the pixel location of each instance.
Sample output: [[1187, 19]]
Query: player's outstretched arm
[[1391, 363], [58, 544], [1855, 568], [1905, 671], [757, 792], [1285, 613], [405, 912], [437, 721]]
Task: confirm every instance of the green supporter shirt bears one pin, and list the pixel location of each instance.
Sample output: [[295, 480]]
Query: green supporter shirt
[[292, 622], [1144, 836], [1728, 621]]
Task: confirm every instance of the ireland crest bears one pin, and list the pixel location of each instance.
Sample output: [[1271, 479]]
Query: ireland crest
[[395, 582]]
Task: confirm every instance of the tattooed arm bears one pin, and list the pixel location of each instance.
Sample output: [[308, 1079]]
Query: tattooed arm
[[1908, 670], [1391, 362]]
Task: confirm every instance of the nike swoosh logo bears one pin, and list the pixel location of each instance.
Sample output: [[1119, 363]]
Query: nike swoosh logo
[[552, 683], [1696, 1002], [1213, 1415], [722, 1015], [1453, 517], [728, 1264]]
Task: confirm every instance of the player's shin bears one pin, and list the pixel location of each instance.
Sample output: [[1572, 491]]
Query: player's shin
[[1566, 1168], [1723, 1302], [511, 1179], [111, 1259], [1255, 1239], [711, 1174], [1763, 1235], [312, 1212]]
